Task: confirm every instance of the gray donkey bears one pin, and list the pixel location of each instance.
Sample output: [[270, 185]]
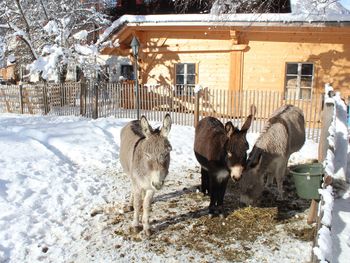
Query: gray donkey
[[283, 134], [145, 157]]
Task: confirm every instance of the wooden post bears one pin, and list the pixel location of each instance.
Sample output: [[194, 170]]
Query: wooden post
[[83, 98], [21, 97], [45, 99], [327, 117], [311, 218], [95, 101], [196, 108]]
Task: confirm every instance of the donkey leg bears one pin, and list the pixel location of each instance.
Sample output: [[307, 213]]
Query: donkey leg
[[280, 175], [131, 202], [137, 207], [130, 206], [204, 181], [147, 201], [269, 180], [213, 195], [220, 198]]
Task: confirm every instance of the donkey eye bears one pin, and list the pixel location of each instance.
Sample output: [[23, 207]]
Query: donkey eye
[[164, 156]]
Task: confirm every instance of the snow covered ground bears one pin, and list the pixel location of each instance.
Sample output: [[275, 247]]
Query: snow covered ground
[[62, 191]]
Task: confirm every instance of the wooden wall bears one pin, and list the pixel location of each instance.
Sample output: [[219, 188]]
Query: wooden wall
[[264, 63], [245, 58], [209, 51], [8, 72]]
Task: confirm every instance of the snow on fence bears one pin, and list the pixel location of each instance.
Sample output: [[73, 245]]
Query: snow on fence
[[186, 105], [333, 153]]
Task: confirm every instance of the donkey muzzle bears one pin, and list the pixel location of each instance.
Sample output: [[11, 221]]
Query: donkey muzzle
[[158, 185], [236, 172]]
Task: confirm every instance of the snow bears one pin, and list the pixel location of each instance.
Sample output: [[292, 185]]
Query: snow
[[341, 139], [327, 206], [324, 252], [312, 7], [47, 65], [52, 28], [81, 35], [2, 49], [59, 27], [198, 88], [304, 12], [11, 59], [86, 50], [336, 166], [345, 3], [55, 171]]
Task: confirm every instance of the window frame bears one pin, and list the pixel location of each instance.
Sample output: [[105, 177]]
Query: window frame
[[189, 88], [132, 73], [299, 75]]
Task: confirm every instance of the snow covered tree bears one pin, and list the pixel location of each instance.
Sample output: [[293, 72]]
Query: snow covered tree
[[218, 7], [49, 34], [2, 51]]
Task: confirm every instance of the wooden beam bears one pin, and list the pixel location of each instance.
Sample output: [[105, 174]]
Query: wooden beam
[[197, 48]]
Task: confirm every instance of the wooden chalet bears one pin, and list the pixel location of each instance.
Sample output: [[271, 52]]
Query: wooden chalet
[[294, 54]]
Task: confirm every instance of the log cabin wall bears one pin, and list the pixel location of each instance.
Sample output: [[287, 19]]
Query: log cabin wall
[[327, 48], [209, 50], [246, 58]]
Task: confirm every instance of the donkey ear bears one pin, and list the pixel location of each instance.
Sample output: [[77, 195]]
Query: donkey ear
[[229, 128], [248, 121], [145, 127], [254, 157], [166, 126]]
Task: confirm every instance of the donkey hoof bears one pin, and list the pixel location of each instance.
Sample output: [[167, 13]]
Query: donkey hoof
[[128, 208], [222, 215], [136, 229], [148, 232], [211, 215], [205, 192], [280, 198]]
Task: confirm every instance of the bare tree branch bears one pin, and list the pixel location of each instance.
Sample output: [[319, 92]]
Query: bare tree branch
[[19, 6]]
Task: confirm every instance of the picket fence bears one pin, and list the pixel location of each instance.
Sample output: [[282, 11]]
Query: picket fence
[[185, 106]]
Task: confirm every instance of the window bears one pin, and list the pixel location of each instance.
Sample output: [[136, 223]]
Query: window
[[299, 80], [127, 72], [185, 79]]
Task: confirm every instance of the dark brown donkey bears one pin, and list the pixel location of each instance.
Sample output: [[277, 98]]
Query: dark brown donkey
[[222, 153]]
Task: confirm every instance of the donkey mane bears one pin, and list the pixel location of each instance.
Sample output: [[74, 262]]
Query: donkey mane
[[275, 118]]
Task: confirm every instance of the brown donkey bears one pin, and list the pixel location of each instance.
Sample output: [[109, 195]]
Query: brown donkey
[[145, 157], [222, 153]]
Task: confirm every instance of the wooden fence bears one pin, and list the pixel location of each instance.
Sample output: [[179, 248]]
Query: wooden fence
[[184, 105]]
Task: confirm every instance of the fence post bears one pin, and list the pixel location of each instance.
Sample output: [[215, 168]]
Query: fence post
[[45, 99], [327, 117], [196, 108], [83, 98], [21, 96], [95, 101]]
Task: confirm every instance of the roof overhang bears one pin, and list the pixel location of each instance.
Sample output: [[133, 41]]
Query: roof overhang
[[122, 30]]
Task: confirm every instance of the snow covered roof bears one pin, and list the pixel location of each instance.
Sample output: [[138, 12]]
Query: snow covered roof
[[315, 19]]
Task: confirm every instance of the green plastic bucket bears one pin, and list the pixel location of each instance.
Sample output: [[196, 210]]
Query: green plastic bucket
[[308, 179]]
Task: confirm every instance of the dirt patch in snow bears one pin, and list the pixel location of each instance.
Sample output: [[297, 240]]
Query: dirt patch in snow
[[181, 223]]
